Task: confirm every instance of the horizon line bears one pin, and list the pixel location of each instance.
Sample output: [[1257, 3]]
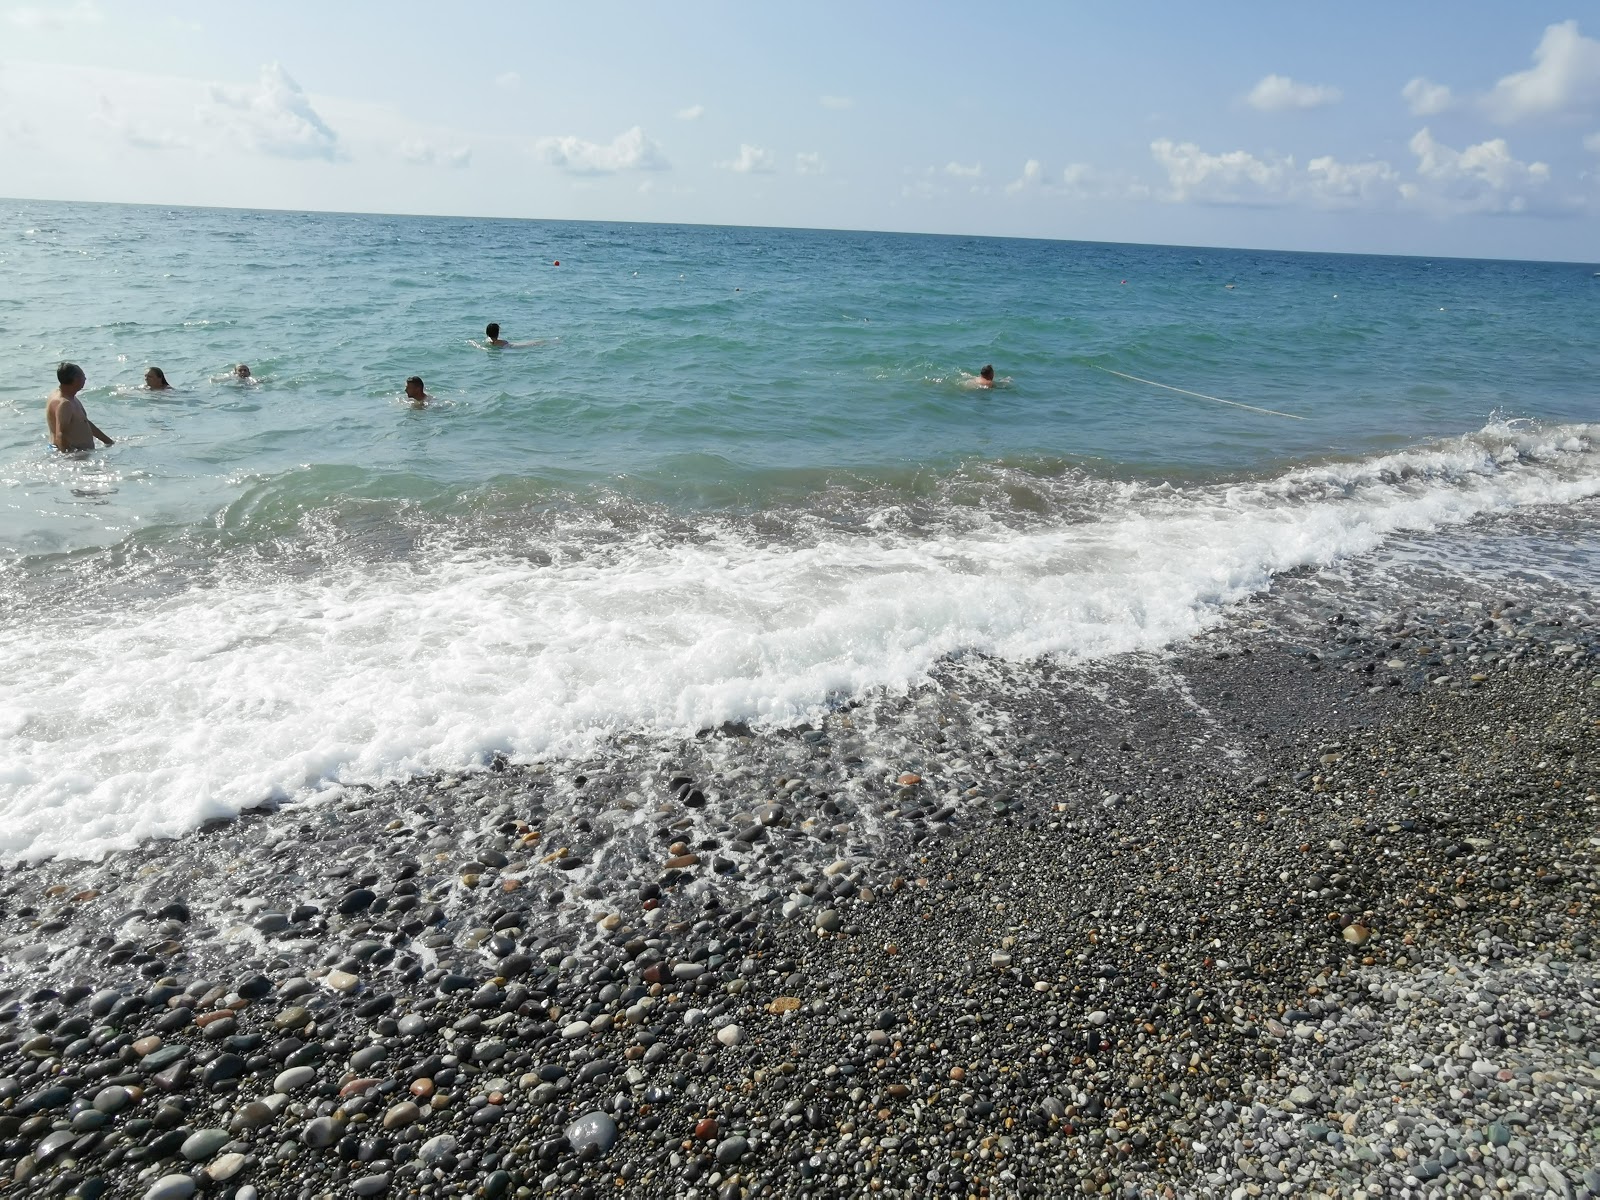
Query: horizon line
[[998, 237]]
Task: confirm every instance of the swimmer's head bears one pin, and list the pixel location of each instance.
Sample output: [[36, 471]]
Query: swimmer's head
[[242, 371], [987, 374], [156, 379], [69, 374], [414, 387], [491, 330]]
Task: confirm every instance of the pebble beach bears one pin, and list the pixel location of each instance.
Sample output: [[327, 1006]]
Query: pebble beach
[[1303, 907]]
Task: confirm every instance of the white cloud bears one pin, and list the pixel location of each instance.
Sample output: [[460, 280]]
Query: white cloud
[[108, 115], [810, 164], [61, 16], [1592, 143], [837, 102], [1239, 177], [1481, 178], [752, 160], [1330, 183], [1426, 98], [1279, 93], [1032, 176], [1236, 177], [693, 113], [425, 154], [276, 117], [1565, 78], [629, 151], [508, 81], [960, 171]]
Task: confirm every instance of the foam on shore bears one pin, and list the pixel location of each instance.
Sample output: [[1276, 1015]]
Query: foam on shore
[[150, 717]]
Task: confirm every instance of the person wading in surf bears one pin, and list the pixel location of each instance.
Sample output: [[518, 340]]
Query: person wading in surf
[[70, 427]]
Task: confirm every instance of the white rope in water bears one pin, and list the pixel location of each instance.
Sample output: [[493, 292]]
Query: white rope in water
[[1198, 395]]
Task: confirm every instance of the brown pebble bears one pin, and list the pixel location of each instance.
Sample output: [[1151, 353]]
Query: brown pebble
[[910, 779], [705, 1129], [679, 861], [147, 1045], [357, 1086], [205, 1019], [958, 1073], [422, 1088]]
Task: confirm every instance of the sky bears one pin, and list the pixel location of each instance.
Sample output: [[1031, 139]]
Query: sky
[[1467, 128]]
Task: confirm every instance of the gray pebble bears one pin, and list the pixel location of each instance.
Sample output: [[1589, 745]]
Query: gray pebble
[[592, 1129]]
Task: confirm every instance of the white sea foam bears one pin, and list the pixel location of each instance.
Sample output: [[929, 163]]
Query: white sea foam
[[147, 719]]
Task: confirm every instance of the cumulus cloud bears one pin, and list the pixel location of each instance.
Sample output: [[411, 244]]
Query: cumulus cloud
[[1481, 178], [693, 113], [1564, 78], [276, 117], [1032, 176], [1241, 178], [111, 118], [810, 164], [837, 102], [1426, 98], [1330, 183], [752, 160], [1279, 93], [1235, 177], [62, 16], [975, 171], [426, 154], [508, 81], [629, 151]]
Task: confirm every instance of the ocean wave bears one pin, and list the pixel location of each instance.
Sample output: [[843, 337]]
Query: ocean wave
[[255, 676]]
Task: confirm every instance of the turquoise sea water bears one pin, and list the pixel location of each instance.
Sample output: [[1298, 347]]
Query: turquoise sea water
[[736, 476]]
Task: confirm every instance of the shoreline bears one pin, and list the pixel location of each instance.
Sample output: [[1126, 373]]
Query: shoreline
[[1242, 916]]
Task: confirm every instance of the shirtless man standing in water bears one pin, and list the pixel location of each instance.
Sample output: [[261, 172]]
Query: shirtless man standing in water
[[70, 427]]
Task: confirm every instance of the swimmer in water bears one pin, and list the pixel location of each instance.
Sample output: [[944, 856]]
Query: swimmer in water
[[155, 380], [416, 393], [242, 374], [983, 379], [70, 427], [491, 331]]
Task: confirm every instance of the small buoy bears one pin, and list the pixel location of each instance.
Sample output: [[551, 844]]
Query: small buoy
[[558, 262], [1124, 282]]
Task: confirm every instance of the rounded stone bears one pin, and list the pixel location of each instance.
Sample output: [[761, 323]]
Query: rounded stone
[[203, 1143], [251, 1116], [320, 1133], [730, 1035], [402, 1114], [226, 1167], [171, 1187], [112, 1099], [732, 1150], [293, 1078], [437, 1149], [592, 1129]]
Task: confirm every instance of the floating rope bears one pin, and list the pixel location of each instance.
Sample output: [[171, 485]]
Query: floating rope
[[1198, 395]]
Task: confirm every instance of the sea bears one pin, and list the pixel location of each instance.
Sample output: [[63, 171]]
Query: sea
[[721, 475]]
